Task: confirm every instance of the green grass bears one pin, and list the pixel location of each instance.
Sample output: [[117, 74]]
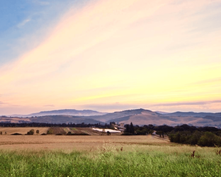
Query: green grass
[[134, 161]]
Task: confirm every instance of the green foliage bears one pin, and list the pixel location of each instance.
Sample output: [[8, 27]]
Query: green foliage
[[193, 138], [160, 133], [200, 138], [209, 139], [50, 131], [129, 129], [69, 133], [143, 130], [109, 163], [31, 132]]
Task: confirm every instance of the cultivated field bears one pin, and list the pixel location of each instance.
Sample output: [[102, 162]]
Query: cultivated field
[[69, 143], [22, 130]]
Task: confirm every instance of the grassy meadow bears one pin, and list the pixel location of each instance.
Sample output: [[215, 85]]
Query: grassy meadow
[[103, 156]]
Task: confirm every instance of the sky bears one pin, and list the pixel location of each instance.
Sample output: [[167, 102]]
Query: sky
[[110, 55]]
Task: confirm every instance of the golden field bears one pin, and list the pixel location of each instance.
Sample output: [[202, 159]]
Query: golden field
[[69, 143]]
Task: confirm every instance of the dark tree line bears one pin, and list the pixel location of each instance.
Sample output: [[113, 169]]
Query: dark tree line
[[184, 134], [35, 124], [146, 129], [196, 138], [129, 129]]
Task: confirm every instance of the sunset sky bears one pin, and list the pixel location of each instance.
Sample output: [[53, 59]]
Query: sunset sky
[[109, 55]]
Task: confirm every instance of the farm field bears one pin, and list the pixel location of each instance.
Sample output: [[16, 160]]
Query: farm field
[[22, 130], [70, 143], [54, 130], [54, 155]]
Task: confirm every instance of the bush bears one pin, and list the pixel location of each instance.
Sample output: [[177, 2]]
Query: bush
[[16, 134], [108, 133], [175, 137], [50, 131], [209, 139], [199, 138], [194, 138], [37, 131], [69, 133], [31, 132]]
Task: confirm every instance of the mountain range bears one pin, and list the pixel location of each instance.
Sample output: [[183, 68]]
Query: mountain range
[[137, 116], [70, 112]]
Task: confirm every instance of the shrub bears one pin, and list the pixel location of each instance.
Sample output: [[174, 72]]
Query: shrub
[[31, 132], [50, 131], [37, 131], [69, 133], [194, 138], [209, 139], [16, 134], [59, 134], [108, 133]]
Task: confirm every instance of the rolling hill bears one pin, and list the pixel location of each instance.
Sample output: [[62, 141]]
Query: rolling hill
[[137, 116], [70, 112]]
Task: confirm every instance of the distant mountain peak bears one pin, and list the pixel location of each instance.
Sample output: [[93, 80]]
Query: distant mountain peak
[[72, 112], [134, 110], [69, 110]]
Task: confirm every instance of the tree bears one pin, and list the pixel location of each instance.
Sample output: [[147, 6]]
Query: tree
[[69, 133], [131, 128], [108, 133], [31, 132], [127, 130], [209, 139], [50, 131]]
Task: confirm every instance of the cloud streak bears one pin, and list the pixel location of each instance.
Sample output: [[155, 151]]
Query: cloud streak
[[188, 103], [23, 23], [2, 102], [137, 51]]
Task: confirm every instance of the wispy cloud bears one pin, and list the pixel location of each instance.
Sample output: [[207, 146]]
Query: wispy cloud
[[188, 103], [2, 102], [24, 22], [49, 105], [209, 81], [137, 51], [109, 107]]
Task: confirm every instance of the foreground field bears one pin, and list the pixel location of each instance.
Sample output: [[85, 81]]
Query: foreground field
[[103, 156], [133, 160]]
